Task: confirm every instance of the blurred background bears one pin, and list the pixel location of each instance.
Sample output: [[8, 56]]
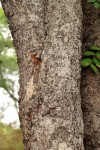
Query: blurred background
[[10, 134]]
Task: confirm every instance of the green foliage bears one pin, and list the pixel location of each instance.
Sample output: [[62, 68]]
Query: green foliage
[[10, 138], [89, 53], [91, 59], [86, 62], [96, 61], [8, 62], [96, 3], [94, 68], [3, 20], [94, 47], [98, 55]]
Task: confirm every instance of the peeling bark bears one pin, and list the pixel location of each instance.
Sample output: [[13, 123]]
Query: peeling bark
[[91, 82], [50, 100]]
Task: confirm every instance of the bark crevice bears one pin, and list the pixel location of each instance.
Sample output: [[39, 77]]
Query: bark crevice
[[90, 81]]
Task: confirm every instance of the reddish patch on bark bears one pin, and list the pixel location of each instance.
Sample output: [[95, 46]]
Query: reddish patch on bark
[[35, 59]]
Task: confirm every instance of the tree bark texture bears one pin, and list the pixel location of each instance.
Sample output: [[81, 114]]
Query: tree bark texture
[[50, 100], [90, 81]]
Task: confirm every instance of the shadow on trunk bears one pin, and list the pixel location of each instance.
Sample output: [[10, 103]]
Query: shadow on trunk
[[91, 82]]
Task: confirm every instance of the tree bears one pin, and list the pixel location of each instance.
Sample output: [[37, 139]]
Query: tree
[[47, 37], [90, 82], [8, 65]]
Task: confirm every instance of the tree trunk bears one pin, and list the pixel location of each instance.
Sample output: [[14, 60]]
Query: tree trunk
[[90, 81], [50, 101]]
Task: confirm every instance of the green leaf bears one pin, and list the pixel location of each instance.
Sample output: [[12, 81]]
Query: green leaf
[[98, 55], [86, 62], [3, 20], [94, 47], [91, 1], [96, 61], [96, 5], [88, 53], [94, 68]]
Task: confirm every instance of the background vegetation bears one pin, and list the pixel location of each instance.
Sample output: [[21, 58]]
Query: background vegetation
[[10, 137]]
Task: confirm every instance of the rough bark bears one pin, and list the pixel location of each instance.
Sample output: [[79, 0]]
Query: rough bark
[[91, 82], [50, 100]]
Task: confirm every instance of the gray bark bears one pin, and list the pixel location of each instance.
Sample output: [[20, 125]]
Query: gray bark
[[91, 82], [50, 100]]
